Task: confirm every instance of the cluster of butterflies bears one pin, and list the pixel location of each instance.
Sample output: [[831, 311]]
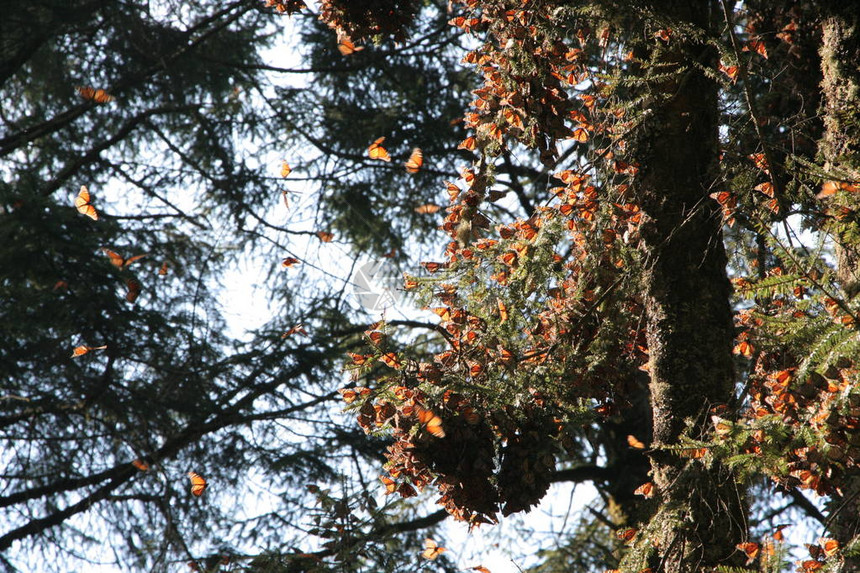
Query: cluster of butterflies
[[413, 164]]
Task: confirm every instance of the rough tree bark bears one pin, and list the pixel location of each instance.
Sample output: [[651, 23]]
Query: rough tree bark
[[840, 148], [687, 294]]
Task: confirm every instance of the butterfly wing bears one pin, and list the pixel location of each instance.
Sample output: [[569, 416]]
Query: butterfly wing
[[346, 47], [132, 289], [83, 205], [416, 160], [432, 550], [99, 96], [198, 484], [115, 258], [130, 260], [376, 151]]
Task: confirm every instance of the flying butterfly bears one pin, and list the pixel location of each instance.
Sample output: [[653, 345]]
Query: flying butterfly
[[432, 422], [132, 290], [83, 204], [97, 95], [140, 464], [415, 161], [120, 262], [81, 350], [635, 443], [432, 550], [376, 151], [346, 47], [198, 484], [428, 209]]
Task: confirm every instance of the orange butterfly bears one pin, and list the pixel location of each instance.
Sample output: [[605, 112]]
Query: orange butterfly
[[117, 260], [390, 484], [346, 47], [416, 160], [289, 261], [285, 169], [635, 443], [390, 359], [750, 549], [428, 209], [163, 270], [81, 350], [198, 484], [83, 205], [295, 329], [96, 95], [376, 151], [140, 464], [468, 144], [626, 535], [829, 546], [646, 490], [432, 422], [432, 550]]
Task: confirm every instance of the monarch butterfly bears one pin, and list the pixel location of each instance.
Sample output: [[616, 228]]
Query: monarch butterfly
[[829, 546], [346, 47], [469, 144], [133, 290], [140, 464], [376, 151], [83, 204], [118, 261], [432, 550], [390, 359], [295, 329], [285, 169], [81, 350], [289, 261], [198, 484], [580, 134], [97, 95], [416, 160], [428, 209], [646, 490], [635, 443], [390, 484], [626, 535], [432, 422], [750, 549]]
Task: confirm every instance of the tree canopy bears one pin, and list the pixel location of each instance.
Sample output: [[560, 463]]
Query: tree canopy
[[628, 231]]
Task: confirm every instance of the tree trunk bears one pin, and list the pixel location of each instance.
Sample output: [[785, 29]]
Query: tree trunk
[[840, 147], [687, 296]]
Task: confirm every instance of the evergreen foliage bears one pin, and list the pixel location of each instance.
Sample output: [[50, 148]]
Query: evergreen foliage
[[607, 168]]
